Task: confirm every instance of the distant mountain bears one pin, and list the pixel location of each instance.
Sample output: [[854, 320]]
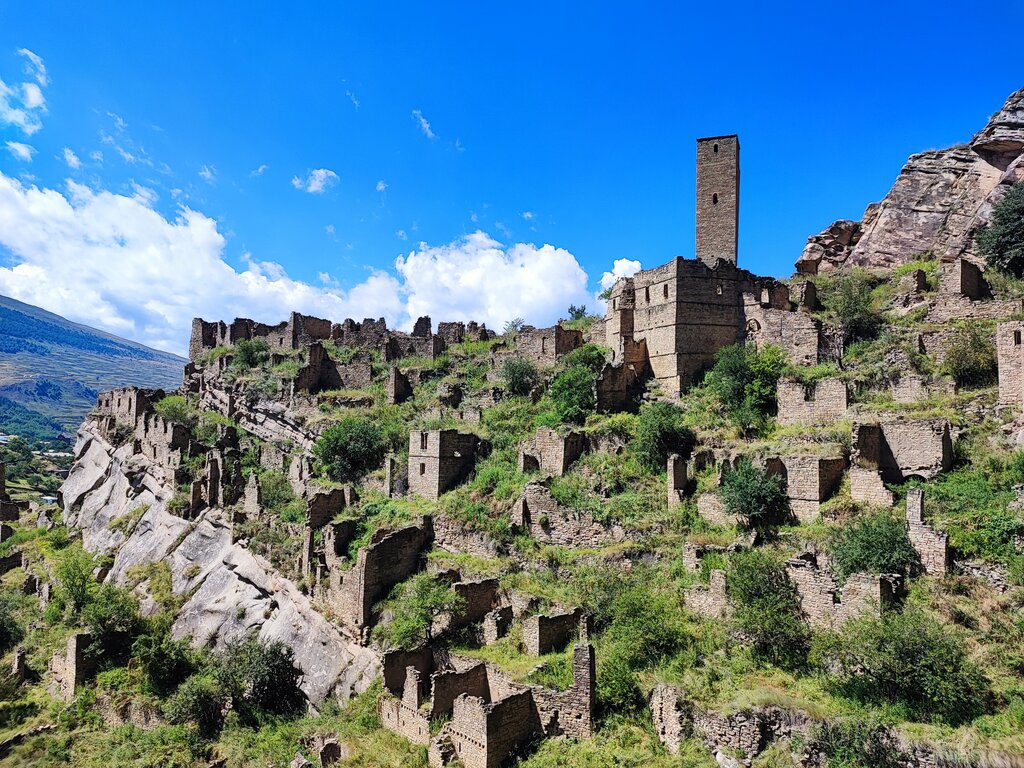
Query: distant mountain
[[54, 367]]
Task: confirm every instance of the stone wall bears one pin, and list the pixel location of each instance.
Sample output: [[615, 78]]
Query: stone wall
[[824, 402], [439, 460], [796, 333], [455, 537], [677, 480], [867, 486], [297, 331], [546, 633], [542, 518], [390, 558], [718, 198], [828, 604], [932, 546], [399, 388], [545, 345], [901, 448], [710, 600], [551, 453], [1010, 355], [483, 735], [811, 480]]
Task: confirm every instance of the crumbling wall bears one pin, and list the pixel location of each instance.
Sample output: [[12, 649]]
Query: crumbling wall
[[827, 604], [538, 515], [439, 460], [932, 546], [901, 448], [811, 480], [796, 333], [546, 633], [550, 452], [824, 402], [1010, 356], [546, 345], [710, 600]]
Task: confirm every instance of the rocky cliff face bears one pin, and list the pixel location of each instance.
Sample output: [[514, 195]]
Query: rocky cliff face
[[939, 201], [229, 591]]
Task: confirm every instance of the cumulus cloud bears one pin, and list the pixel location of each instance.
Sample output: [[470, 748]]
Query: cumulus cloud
[[112, 262], [208, 173], [71, 159], [96, 156], [353, 99], [258, 171], [477, 278], [22, 105], [316, 182], [401, 234], [423, 123], [528, 215], [381, 186], [21, 151], [620, 268]]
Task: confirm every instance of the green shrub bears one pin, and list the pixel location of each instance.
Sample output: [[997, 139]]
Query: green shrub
[[876, 542], [590, 356], [907, 659], [856, 742], [767, 609], [415, 604], [971, 357], [250, 354], [755, 496], [572, 394], [177, 409], [112, 616], [74, 577], [849, 300], [660, 433], [179, 503], [199, 701], [11, 632], [1002, 242], [745, 378], [276, 489], [520, 376], [261, 678], [350, 448], [577, 312], [164, 662]]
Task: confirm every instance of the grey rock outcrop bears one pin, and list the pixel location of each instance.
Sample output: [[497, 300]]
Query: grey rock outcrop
[[939, 201], [229, 591]]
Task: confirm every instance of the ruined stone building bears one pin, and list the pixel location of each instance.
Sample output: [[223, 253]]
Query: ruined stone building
[[718, 198], [439, 460]]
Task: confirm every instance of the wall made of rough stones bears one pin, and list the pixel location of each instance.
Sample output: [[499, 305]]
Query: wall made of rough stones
[[453, 536], [546, 633], [811, 480], [551, 453], [545, 345], [827, 604], [1010, 357], [439, 460], [483, 735], [932, 546], [538, 515], [867, 486], [797, 333], [823, 402], [902, 448], [710, 600], [718, 198]]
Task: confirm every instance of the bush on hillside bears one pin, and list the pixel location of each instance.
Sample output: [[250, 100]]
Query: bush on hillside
[[112, 616], [971, 357], [745, 379], [261, 678], [877, 543], [415, 605], [199, 701], [660, 433], [849, 300], [572, 395], [11, 632], [177, 409], [250, 353], [907, 659], [767, 609], [1002, 242], [164, 662], [74, 578], [591, 356], [350, 448], [750, 493], [520, 376], [855, 742]]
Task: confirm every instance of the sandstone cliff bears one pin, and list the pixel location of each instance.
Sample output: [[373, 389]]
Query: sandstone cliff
[[228, 590], [939, 201]]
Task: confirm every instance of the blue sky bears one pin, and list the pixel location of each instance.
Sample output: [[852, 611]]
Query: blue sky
[[287, 157]]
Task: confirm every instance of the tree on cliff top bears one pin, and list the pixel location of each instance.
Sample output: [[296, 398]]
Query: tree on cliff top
[[1002, 242]]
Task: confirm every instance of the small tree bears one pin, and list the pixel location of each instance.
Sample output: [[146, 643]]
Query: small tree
[[177, 409], [592, 356], [250, 353], [767, 608], [10, 631], [971, 357], [1002, 242], [514, 325], [849, 299], [909, 659], [164, 662], [752, 494], [350, 448], [201, 701], [660, 432], [520, 376], [261, 677], [113, 619], [875, 542], [572, 393], [577, 313], [74, 576], [417, 603], [745, 378]]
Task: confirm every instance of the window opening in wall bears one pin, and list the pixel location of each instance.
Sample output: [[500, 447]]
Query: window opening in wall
[[423, 468], [1016, 338], [716, 149], [647, 295], [664, 290], [714, 199], [543, 344], [423, 441]]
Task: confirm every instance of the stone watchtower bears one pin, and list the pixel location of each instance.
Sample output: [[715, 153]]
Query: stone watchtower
[[718, 198]]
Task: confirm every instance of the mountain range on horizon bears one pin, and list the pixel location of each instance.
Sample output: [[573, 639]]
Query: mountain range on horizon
[[54, 367]]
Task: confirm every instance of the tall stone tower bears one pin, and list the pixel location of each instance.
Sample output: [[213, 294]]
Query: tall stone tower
[[718, 198]]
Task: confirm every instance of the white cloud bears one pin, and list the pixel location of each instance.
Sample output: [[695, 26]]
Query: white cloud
[[144, 195], [459, 146], [21, 151], [112, 262], [258, 171], [620, 268], [23, 105], [34, 67], [476, 278], [329, 229], [381, 186], [71, 159], [316, 182], [528, 215], [208, 173], [401, 234], [353, 99], [96, 156], [119, 121], [423, 123]]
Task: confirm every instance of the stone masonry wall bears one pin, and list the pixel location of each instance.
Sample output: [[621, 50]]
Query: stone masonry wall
[[932, 546], [551, 453], [824, 402], [718, 198], [439, 460], [710, 600], [1010, 354], [545, 633], [538, 515], [827, 604]]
